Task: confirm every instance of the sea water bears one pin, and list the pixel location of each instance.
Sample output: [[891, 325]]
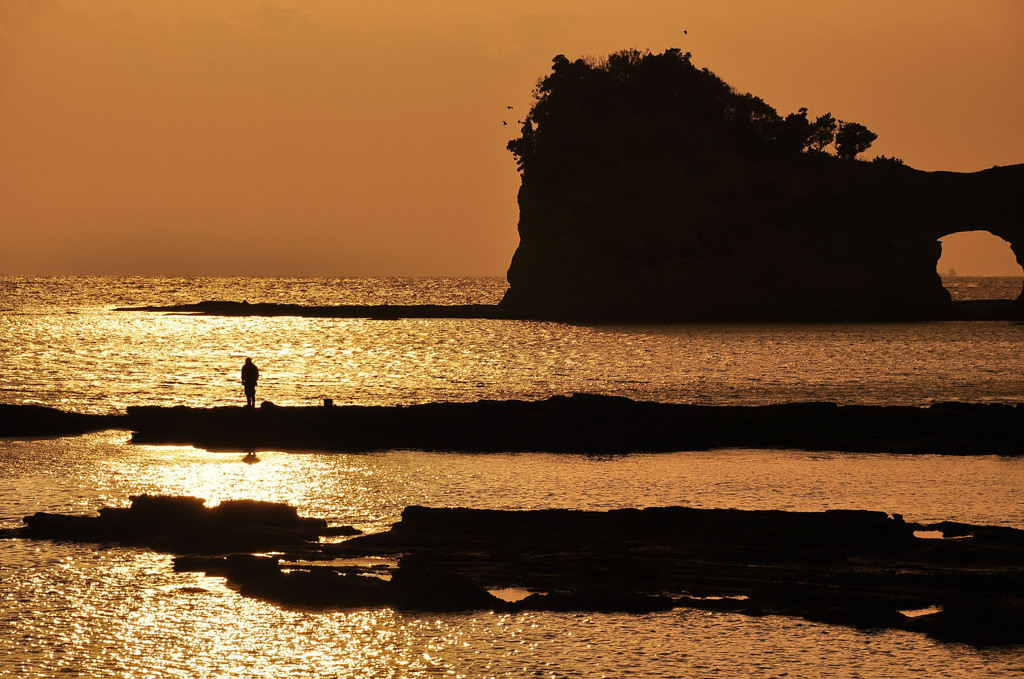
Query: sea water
[[78, 610]]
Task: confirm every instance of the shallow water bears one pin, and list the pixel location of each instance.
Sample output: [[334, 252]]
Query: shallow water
[[74, 609], [81, 356], [369, 490], [118, 612], [145, 623]]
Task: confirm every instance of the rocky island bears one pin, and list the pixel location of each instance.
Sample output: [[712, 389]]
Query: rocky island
[[952, 581], [651, 190]]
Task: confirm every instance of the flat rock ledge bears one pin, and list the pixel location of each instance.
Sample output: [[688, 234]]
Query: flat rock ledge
[[184, 524], [961, 310], [30, 421], [952, 581], [581, 423], [382, 312]]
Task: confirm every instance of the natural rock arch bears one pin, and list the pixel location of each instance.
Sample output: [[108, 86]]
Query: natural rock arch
[[652, 191], [990, 200], [978, 252]]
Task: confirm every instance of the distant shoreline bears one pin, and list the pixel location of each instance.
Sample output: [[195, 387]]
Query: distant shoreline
[[577, 424], [970, 310], [371, 311]]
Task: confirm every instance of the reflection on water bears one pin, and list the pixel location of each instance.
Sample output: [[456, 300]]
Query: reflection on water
[[96, 360], [116, 612], [120, 612], [82, 474], [76, 294], [104, 362]]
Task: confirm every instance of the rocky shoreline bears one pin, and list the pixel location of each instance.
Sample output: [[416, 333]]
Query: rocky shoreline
[[952, 581], [581, 423]]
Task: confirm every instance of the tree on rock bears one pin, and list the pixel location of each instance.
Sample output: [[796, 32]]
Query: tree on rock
[[794, 131], [853, 138], [823, 133]]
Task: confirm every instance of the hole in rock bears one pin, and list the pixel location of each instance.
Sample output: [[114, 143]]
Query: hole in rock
[[978, 265]]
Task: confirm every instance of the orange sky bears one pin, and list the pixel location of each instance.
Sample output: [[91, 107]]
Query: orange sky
[[336, 138]]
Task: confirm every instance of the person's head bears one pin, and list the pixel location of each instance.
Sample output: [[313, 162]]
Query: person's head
[[248, 360]]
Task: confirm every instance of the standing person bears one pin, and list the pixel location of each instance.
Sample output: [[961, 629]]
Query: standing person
[[250, 375]]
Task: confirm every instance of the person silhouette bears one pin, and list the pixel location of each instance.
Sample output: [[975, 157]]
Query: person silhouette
[[250, 375]]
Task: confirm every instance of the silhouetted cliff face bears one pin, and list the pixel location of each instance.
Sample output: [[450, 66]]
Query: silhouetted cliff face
[[651, 190]]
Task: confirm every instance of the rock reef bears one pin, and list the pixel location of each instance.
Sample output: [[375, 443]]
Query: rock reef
[[959, 310], [381, 312], [581, 423], [27, 421], [651, 190], [859, 568], [185, 524]]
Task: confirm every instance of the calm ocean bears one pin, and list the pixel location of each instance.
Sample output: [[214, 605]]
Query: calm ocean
[[76, 610]]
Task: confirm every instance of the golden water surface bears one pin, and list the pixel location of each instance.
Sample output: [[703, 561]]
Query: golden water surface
[[76, 610]]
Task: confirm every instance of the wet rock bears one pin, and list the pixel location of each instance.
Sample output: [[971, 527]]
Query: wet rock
[[423, 587], [184, 525], [321, 588], [340, 531], [210, 565], [979, 621], [32, 421], [856, 568], [864, 616], [64, 527], [375, 311], [587, 424], [242, 568], [263, 514], [600, 602], [157, 510], [716, 603], [579, 424]]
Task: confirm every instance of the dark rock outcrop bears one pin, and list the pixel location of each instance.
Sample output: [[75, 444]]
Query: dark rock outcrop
[[856, 568], [410, 587], [25, 421], [979, 620], [581, 423], [652, 191], [380, 312], [183, 525], [590, 424], [972, 310]]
